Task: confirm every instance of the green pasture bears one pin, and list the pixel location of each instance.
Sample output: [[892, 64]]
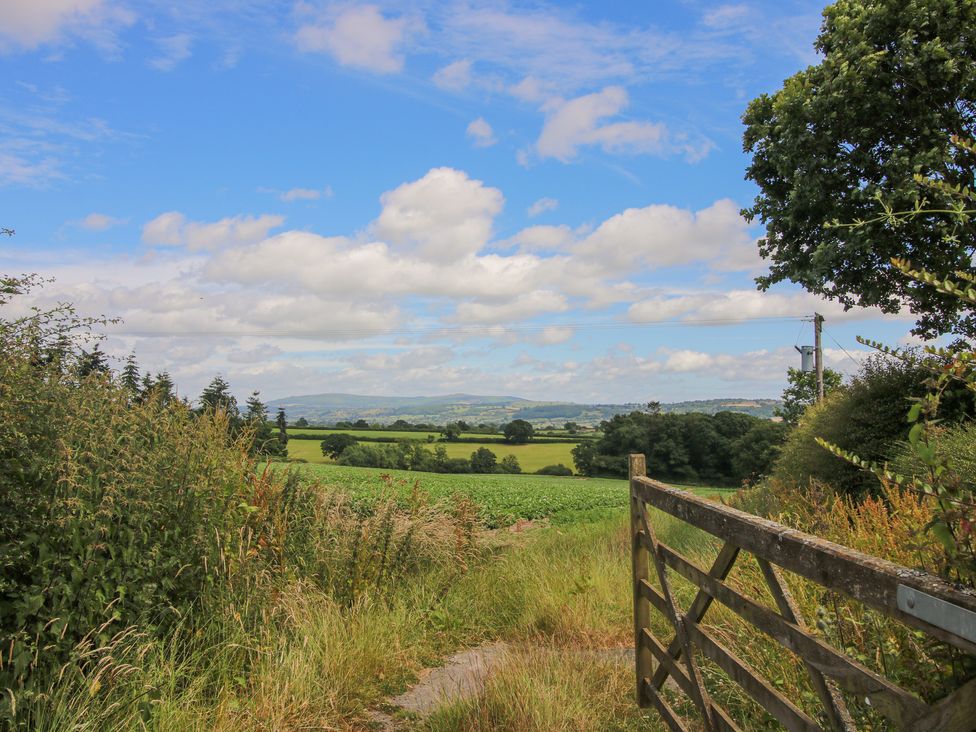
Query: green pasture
[[501, 499], [531, 457]]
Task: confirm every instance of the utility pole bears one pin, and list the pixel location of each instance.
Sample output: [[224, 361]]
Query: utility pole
[[818, 354]]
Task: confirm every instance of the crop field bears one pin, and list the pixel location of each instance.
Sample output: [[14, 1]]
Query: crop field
[[501, 499], [531, 457]]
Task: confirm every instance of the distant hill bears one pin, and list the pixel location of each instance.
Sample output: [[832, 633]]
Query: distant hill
[[765, 408], [475, 409]]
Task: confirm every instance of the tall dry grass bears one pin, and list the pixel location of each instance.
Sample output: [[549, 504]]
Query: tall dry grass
[[317, 616], [565, 593]]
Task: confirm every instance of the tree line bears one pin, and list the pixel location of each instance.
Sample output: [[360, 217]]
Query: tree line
[[268, 439], [405, 455], [725, 448]]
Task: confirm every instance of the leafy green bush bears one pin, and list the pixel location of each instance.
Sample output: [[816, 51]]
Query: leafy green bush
[[393, 456], [136, 528], [558, 469], [802, 460], [114, 511], [509, 464], [483, 460], [867, 417]]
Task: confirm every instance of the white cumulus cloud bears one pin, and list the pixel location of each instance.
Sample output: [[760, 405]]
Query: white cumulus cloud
[[741, 305], [578, 122], [361, 37], [662, 236], [445, 215]]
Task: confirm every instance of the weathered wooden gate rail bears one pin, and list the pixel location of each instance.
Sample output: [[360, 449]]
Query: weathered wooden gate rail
[[916, 598]]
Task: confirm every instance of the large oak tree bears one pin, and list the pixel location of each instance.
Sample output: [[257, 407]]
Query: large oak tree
[[897, 79]]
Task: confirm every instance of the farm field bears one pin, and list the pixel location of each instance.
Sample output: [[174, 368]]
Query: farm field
[[531, 457], [501, 499]]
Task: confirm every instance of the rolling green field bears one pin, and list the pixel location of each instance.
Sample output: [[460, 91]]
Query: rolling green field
[[501, 499], [531, 457]]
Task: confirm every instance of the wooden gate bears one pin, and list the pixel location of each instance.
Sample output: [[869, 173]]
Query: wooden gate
[[916, 598]]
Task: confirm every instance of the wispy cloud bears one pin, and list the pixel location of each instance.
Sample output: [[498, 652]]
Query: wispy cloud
[[40, 141], [481, 133], [173, 51], [582, 121], [98, 222], [172, 229], [455, 76], [543, 205], [305, 194], [27, 24]]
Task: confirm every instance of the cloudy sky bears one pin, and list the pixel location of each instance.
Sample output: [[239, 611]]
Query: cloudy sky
[[526, 198]]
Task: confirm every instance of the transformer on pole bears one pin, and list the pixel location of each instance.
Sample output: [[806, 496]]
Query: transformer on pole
[[811, 357], [806, 358]]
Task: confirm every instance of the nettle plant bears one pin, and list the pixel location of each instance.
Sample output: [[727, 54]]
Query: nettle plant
[[954, 492]]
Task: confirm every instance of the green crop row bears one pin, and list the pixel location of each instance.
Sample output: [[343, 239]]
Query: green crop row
[[501, 499]]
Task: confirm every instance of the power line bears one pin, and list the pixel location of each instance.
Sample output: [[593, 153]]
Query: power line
[[854, 360], [473, 330]]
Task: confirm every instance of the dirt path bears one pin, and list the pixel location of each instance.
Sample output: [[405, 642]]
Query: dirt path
[[462, 675]]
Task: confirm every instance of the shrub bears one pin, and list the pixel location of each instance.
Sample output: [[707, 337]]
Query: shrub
[[114, 511], [866, 417], [558, 469], [135, 532], [392, 456], [456, 465], [509, 464], [483, 460], [334, 445]]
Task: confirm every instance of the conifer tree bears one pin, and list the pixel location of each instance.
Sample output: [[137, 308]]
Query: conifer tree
[[282, 427], [217, 396], [130, 375]]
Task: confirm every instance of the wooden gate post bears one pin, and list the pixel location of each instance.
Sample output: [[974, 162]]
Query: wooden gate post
[[641, 571]]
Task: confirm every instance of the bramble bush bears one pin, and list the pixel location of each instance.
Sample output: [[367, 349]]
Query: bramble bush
[[112, 510], [125, 521]]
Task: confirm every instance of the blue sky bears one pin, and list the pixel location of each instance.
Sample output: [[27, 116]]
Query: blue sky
[[409, 198]]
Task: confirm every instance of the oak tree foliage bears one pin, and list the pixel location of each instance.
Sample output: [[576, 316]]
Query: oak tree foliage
[[873, 120]]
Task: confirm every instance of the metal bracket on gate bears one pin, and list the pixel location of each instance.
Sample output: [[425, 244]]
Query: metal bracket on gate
[[941, 614]]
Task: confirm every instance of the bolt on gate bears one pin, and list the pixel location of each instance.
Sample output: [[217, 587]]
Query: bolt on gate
[[918, 599]]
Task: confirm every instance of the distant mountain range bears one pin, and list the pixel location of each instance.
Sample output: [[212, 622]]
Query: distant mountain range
[[331, 408]]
